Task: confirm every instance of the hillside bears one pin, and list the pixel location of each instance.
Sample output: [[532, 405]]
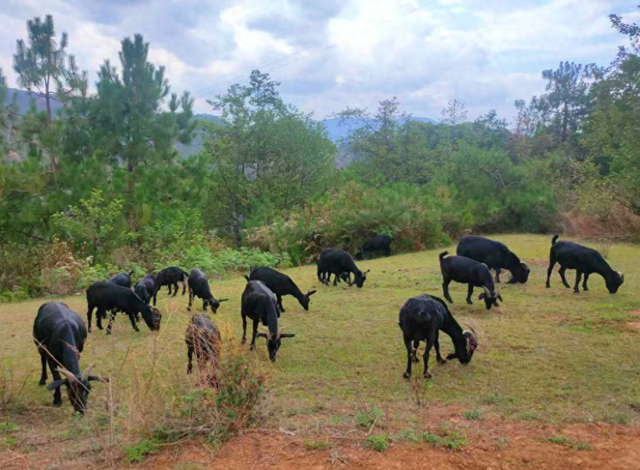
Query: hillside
[[24, 101], [554, 371], [337, 129]]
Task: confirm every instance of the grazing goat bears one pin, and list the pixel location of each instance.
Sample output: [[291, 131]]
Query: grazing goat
[[203, 339], [199, 287], [468, 271], [106, 296], [122, 280], [170, 277], [147, 289], [585, 261], [494, 254], [60, 334], [421, 319], [339, 262], [260, 305], [281, 284], [376, 244]]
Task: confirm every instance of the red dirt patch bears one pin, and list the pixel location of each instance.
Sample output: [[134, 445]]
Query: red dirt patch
[[493, 444], [634, 325]]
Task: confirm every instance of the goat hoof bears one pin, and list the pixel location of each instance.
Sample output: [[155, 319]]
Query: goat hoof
[[576, 291], [406, 375], [416, 360], [442, 361], [243, 340], [252, 347], [57, 403], [548, 286], [42, 382], [427, 375], [469, 302]]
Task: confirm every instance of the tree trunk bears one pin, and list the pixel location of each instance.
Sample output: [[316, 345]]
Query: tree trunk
[[565, 122]]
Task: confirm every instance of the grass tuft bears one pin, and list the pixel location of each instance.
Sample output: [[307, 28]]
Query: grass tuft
[[379, 443], [568, 442]]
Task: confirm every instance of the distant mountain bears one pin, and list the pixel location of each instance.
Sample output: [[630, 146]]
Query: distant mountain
[[338, 129], [24, 100], [209, 118]]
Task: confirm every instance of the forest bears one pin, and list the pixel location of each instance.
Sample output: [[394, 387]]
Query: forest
[[93, 184]]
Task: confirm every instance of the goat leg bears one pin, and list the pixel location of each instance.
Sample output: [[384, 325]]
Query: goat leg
[[407, 343]]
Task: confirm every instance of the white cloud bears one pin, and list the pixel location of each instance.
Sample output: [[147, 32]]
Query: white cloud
[[342, 52]]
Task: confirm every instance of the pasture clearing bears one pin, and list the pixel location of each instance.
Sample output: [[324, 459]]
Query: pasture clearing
[[548, 360]]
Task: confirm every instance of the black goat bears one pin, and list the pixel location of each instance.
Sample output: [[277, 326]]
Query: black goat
[[203, 339], [60, 334], [494, 254], [199, 287], [281, 284], [170, 277], [585, 261], [147, 289], [376, 244], [468, 271], [108, 297], [421, 319], [122, 280], [260, 304], [339, 262]]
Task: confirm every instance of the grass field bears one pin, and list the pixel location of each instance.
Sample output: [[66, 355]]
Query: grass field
[[546, 354]]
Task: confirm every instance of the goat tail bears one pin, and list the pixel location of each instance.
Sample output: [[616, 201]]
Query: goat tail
[[554, 239], [185, 274], [443, 254]]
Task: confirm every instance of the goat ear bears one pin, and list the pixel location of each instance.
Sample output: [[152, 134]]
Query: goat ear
[[222, 300], [482, 296], [500, 298], [287, 335], [310, 293], [451, 356], [56, 384], [367, 271], [92, 378]]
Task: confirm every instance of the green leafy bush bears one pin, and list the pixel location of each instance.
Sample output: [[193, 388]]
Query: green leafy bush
[[138, 452], [379, 443]]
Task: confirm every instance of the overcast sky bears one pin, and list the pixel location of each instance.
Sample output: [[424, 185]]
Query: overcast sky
[[332, 53]]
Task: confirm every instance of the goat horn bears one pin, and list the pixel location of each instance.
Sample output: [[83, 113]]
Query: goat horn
[[486, 290], [280, 331], [499, 289], [70, 377], [85, 373]]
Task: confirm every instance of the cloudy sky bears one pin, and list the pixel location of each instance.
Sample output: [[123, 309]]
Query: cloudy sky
[[332, 53]]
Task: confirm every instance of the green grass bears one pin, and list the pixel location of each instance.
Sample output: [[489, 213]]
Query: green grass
[[379, 443], [545, 354], [568, 442]]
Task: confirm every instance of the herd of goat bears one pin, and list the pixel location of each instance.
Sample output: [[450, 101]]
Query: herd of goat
[[60, 333]]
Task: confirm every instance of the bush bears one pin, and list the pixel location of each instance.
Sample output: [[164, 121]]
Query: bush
[[379, 443], [347, 217]]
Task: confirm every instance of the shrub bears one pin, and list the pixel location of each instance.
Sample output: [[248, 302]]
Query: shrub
[[366, 418], [473, 415], [447, 438], [379, 443], [138, 452], [348, 216]]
